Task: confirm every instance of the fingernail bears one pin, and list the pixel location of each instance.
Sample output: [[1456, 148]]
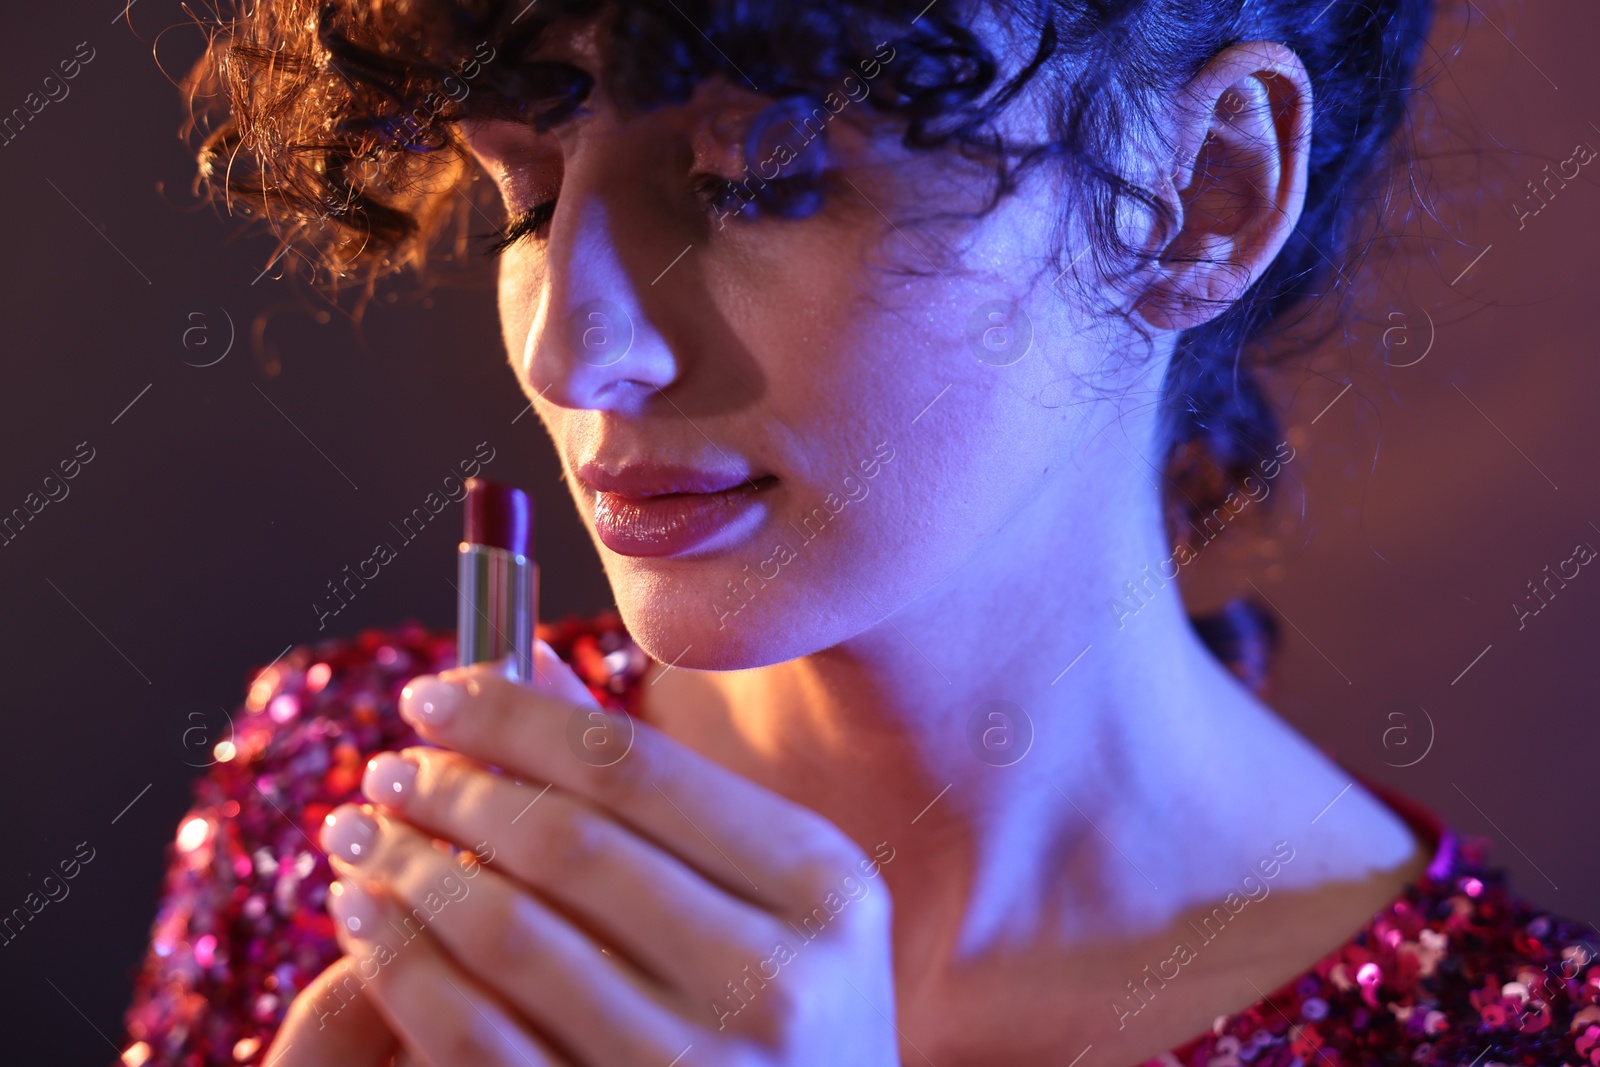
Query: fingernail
[[390, 779], [349, 833], [431, 702], [352, 908]]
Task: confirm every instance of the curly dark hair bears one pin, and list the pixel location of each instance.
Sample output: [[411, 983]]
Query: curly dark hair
[[337, 120]]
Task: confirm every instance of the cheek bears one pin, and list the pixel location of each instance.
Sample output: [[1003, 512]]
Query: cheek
[[520, 292], [859, 371]]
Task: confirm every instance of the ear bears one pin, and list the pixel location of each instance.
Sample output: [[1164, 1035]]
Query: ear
[[1241, 148]]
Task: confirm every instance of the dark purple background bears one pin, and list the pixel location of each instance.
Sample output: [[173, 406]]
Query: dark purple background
[[191, 548]]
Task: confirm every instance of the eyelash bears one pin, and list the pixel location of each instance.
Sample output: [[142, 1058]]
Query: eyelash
[[530, 223], [535, 221]]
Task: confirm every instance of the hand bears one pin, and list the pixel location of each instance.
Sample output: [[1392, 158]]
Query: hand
[[654, 910]]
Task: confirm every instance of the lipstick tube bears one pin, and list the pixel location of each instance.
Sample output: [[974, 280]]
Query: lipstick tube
[[497, 588]]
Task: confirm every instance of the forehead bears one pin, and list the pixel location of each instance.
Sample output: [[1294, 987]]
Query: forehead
[[586, 43]]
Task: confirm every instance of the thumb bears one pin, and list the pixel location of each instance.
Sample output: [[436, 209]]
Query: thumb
[[552, 675], [328, 1026]]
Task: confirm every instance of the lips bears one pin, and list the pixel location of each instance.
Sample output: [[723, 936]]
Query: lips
[[654, 510], [640, 480]]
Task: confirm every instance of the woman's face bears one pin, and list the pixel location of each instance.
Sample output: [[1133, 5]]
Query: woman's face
[[873, 427]]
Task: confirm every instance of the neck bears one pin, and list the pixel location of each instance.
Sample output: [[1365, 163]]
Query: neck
[[1037, 764]]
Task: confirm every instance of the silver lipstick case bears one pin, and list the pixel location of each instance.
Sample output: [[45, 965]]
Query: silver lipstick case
[[497, 598]]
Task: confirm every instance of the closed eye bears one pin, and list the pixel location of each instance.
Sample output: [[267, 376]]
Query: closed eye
[[721, 199], [534, 222]]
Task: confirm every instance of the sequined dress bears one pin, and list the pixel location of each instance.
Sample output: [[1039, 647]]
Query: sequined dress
[[1455, 970]]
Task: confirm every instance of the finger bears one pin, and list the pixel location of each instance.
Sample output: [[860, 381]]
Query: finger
[[332, 1024], [443, 1016], [744, 837], [592, 1003], [686, 932], [552, 675]]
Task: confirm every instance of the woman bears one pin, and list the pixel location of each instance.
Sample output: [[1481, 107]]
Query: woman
[[856, 326]]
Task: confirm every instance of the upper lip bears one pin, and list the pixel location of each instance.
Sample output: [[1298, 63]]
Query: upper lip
[[639, 480]]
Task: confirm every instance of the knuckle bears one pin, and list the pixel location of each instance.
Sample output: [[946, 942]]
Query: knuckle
[[504, 702], [825, 865], [624, 780], [815, 878], [818, 841], [395, 849], [836, 892], [778, 1018], [568, 837], [508, 938], [493, 701], [470, 1040], [842, 852], [816, 919], [443, 780], [762, 937], [782, 1004]]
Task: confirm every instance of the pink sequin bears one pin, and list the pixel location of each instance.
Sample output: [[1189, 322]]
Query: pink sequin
[[248, 894]]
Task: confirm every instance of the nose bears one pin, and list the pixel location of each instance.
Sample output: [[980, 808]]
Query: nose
[[591, 344]]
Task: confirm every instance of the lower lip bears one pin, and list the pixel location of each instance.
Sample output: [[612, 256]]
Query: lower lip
[[678, 522]]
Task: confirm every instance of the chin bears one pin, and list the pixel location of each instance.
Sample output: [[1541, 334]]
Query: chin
[[673, 611]]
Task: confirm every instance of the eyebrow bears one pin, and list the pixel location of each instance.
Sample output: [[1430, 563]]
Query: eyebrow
[[559, 87]]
